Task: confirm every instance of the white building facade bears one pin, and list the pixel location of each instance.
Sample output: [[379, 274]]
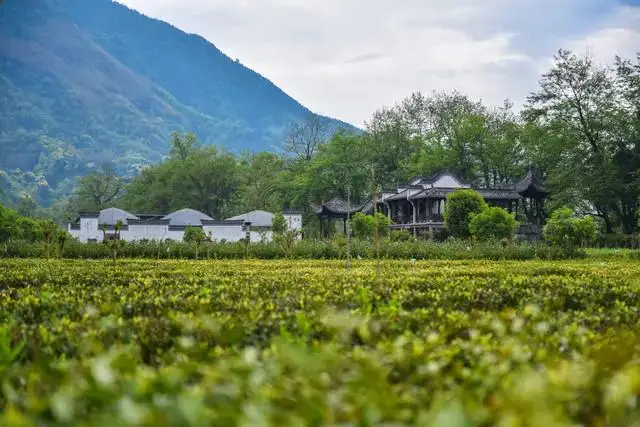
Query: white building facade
[[94, 227]]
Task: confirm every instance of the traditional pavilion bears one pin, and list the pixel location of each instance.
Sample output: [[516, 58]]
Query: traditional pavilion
[[338, 210], [419, 205]]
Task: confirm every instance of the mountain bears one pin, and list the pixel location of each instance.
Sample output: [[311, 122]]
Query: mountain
[[89, 82]]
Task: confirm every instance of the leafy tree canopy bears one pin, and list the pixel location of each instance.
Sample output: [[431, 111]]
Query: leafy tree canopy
[[460, 208]]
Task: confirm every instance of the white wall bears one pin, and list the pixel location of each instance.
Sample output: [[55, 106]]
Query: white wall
[[229, 233], [261, 236], [294, 221], [88, 230], [156, 232], [175, 235], [139, 232]]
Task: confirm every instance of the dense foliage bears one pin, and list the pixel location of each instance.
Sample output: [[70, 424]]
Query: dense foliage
[[493, 223], [290, 343], [288, 245], [460, 208], [279, 225], [585, 120], [194, 235], [17, 227], [568, 231], [364, 226]]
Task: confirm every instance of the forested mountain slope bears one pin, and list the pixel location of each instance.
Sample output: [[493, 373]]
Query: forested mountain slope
[[85, 82]]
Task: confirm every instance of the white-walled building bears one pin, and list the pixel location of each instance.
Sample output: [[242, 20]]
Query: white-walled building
[[262, 223], [143, 227]]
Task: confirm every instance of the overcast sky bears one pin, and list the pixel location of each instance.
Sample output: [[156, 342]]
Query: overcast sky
[[347, 58]]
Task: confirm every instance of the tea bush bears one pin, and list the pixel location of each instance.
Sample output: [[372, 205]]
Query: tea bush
[[306, 249], [290, 343]]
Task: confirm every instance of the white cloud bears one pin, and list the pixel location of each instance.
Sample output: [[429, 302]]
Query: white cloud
[[620, 35], [348, 58]]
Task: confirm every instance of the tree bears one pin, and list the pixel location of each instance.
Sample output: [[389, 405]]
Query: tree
[[340, 169], [364, 226], [98, 190], [287, 241], [305, 137], [588, 116], [425, 134], [279, 225], [8, 224], [49, 232], [27, 205], [61, 238], [182, 146], [114, 243], [493, 223], [195, 235], [390, 144], [569, 232], [28, 229], [14, 226], [461, 206], [207, 179], [261, 186]]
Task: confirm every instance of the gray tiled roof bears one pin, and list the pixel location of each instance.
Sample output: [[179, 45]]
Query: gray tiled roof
[[340, 207], [185, 217], [489, 194], [531, 186], [111, 216], [403, 195], [256, 218], [499, 194]]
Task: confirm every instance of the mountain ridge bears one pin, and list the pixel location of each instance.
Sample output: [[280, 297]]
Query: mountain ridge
[[84, 83]]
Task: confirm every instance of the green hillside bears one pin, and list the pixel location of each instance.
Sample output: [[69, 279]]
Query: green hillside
[[89, 82]]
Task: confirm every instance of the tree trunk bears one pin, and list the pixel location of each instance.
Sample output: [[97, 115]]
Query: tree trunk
[[629, 223], [607, 224]]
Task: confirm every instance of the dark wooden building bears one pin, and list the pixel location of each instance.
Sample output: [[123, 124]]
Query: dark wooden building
[[419, 205]]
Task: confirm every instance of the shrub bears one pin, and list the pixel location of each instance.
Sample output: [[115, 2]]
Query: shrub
[[194, 235], [493, 224], [625, 241], [363, 226], [287, 241], [279, 225], [302, 249], [401, 236], [461, 207], [569, 232]]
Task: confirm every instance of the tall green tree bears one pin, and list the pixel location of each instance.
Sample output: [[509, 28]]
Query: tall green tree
[[206, 178], [391, 143], [98, 190], [586, 117], [340, 169], [261, 186], [425, 134]]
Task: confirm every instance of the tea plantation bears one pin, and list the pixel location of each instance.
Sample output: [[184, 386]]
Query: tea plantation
[[305, 343]]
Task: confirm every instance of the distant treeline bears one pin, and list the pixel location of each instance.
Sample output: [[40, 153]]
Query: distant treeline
[[580, 131]]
